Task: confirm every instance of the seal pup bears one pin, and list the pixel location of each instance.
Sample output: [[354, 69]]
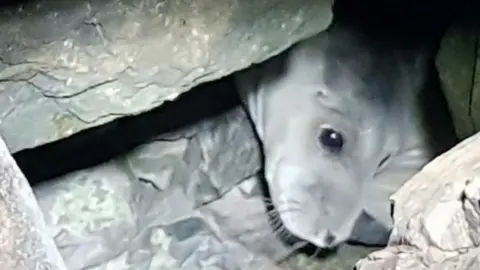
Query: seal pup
[[338, 118]]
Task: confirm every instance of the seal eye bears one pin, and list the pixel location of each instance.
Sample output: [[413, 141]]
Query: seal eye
[[332, 140]]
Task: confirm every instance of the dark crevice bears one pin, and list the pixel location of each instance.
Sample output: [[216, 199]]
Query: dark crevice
[[472, 84], [102, 143], [402, 22]]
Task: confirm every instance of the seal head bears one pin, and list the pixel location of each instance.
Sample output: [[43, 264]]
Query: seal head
[[332, 114]]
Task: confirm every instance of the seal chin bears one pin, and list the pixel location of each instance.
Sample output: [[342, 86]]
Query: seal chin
[[324, 238], [311, 208]]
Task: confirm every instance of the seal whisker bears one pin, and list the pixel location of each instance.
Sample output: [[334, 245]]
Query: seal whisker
[[289, 210], [299, 244], [275, 221], [266, 199], [286, 235], [285, 207], [293, 202], [272, 211], [278, 227], [269, 204], [282, 232], [315, 254]]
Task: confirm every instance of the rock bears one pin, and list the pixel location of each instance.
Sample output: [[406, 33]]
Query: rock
[[174, 203], [151, 209], [344, 259], [66, 67], [436, 216], [24, 241], [459, 70]]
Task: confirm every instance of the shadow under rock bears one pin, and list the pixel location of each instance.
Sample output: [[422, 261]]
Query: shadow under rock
[[100, 144]]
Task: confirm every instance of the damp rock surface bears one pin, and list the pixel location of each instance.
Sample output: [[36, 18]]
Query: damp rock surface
[[68, 66]]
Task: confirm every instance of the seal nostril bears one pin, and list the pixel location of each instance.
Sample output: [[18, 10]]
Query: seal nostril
[[329, 238]]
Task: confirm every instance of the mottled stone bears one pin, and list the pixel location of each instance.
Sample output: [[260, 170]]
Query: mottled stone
[[24, 239], [68, 66]]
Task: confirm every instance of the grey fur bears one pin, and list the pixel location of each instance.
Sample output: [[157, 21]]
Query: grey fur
[[368, 92]]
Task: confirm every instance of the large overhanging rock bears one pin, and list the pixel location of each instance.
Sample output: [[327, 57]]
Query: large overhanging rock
[[437, 216], [69, 65]]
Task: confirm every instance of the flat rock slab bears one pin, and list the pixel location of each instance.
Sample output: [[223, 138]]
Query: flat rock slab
[[436, 216], [69, 65]]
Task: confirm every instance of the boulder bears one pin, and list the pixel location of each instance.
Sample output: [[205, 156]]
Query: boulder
[[67, 66], [24, 241]]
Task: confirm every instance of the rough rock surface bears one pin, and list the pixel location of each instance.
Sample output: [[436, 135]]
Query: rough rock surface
[[345, 259], [24, 243], [178, 202], [458, 64], [69, 65], [437, 216]]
